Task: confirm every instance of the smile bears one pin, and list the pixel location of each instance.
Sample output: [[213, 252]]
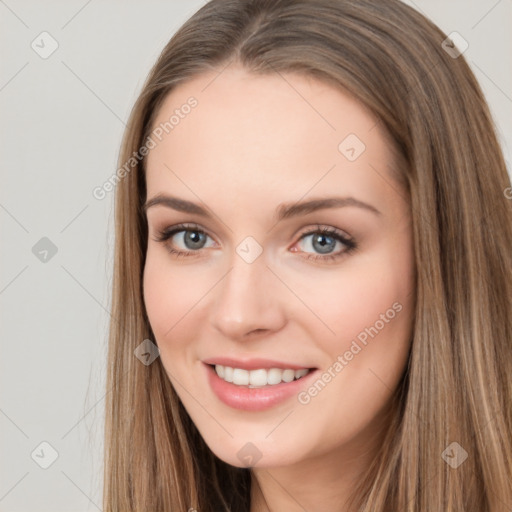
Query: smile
[[260, 377], [256, 389]]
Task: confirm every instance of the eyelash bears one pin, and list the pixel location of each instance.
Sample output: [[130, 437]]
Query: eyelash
[[166, 234]]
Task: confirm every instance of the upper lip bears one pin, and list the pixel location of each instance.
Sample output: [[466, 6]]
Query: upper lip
[[253, 364]]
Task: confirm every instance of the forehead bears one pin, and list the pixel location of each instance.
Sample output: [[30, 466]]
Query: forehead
[[275, 136]]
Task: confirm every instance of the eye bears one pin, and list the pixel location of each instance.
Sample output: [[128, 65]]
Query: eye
[[191, 237], [324, 240]]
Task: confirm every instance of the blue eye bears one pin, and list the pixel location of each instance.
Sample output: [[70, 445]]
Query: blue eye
[[193, 238], [324, 240]]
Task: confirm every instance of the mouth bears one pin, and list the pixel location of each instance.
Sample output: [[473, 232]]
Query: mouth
[[258, 378], [257, 389]]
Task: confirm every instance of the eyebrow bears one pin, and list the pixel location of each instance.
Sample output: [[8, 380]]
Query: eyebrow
[[283, 211]]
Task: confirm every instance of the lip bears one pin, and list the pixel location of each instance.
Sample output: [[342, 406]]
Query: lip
[[255, 399], [254, 364]]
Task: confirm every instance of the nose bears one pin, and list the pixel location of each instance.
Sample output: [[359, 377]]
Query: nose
[[248, 301]]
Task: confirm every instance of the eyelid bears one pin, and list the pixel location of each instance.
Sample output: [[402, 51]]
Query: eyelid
[[192, 226], [168, 232], [324, 228]]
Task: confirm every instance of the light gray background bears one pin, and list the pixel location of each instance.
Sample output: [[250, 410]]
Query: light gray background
[[61, 124]]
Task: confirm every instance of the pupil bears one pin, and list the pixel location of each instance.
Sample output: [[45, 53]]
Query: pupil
[[194, 238], [324, 247]]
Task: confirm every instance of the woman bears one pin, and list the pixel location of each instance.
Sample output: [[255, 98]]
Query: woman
[[312, 226]]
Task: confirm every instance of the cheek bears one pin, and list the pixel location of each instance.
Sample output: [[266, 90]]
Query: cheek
[[370, 304], [370, 311], [171, 296]]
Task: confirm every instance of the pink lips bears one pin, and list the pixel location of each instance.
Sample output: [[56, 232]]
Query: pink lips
[[254, 399]]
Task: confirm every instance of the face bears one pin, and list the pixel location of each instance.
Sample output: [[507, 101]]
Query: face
[[305, 306]]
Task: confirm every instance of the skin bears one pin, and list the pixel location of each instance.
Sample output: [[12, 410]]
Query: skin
[[252, 143]]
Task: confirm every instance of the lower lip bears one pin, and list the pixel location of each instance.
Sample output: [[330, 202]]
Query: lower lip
[[254, 399]]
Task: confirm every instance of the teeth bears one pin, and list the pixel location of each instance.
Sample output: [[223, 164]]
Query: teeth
[[274, 376], [258, 378], [288, 375], [240, 377], [228, 374]]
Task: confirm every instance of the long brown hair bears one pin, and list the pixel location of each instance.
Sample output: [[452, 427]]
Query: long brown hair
[[457, 387]]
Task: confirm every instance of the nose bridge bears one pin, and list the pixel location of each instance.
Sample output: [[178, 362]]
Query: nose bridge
[[247, 297]]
